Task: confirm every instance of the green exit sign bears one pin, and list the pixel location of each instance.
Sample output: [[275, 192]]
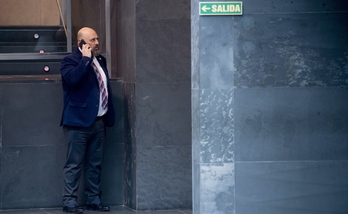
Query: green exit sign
[[220, 8]]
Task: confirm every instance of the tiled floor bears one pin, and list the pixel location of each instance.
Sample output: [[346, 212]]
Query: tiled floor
[[114, 210]]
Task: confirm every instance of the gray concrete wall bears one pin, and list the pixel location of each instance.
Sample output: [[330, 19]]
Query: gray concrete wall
[[270, 116], [154, 60], [33, 146]]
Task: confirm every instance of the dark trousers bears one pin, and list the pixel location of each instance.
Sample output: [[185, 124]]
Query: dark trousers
[[84, 145]]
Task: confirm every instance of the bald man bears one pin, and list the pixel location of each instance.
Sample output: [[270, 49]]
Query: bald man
[[88, 109]]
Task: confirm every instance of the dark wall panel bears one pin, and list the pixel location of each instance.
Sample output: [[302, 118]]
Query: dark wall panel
[[33, 146], [163, 50], [34, 111], [154, 59], [163, 146], [291, 49], [292, 187], [284, 124]]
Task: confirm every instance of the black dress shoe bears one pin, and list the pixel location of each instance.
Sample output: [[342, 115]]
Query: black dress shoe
[[74, 209], [98, 207]]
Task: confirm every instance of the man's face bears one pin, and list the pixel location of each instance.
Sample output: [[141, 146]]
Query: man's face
[[91, 38]]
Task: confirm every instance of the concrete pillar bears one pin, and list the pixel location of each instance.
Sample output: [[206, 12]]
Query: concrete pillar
[[154, 59], [212, 112]]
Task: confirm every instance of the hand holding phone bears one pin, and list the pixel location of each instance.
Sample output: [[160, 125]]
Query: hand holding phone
[[86, 51], [82, 43]]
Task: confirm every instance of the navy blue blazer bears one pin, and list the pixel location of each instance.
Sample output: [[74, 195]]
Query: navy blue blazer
[[81, 91]]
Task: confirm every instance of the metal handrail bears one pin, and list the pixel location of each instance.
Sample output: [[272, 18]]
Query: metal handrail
[[62, 18]]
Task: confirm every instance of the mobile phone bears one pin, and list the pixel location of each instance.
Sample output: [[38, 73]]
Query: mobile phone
[[82, 43]]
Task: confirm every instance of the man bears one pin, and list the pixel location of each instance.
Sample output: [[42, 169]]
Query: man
[[88, 108]]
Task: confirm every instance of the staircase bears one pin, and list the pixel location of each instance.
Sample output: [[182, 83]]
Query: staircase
[[31, 50]]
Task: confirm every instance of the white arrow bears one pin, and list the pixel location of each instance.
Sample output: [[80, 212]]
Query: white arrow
[[205, 8]]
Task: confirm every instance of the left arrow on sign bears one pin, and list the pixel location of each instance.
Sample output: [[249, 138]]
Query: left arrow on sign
[[205, 8]]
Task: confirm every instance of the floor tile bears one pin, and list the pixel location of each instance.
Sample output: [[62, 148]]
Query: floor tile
[[114, 210]]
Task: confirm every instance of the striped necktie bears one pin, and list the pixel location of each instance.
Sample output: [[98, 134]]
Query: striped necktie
[[101, 87]]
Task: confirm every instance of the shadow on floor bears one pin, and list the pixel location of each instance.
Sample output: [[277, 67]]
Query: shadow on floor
[[114, 210]]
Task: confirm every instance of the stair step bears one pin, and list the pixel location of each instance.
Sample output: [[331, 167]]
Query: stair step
[[29, 47], [29, 68], [32, 34]]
